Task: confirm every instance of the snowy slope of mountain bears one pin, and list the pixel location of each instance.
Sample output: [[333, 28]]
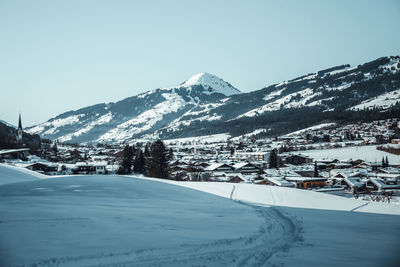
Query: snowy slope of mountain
[[206, 104], [135, 116], [326, 88], [381, 101]]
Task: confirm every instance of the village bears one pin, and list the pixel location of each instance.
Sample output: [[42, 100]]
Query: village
[[280, 161]]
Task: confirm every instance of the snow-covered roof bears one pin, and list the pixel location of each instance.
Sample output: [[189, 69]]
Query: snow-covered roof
[[98, 163], [8, 151], [241, 165], [280, 182], [354, 182], [215, 166], [48, 164], [391, 170], [381, 184], [305, 179]]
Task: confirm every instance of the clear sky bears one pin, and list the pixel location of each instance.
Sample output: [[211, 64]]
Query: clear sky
[[57, 56]]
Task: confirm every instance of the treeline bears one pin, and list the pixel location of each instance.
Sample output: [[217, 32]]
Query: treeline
[[152, 161], [389, 149], [8, 139]]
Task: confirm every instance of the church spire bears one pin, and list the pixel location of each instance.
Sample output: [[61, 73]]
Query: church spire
[[19, 122], [19, 130]]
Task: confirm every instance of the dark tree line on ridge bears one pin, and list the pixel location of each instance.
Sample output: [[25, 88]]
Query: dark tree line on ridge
[[153, 161], [32, 141]]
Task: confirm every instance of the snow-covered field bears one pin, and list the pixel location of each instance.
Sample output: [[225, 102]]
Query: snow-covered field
[[125, 221], [200, 139], [312, 128], [366, 153]]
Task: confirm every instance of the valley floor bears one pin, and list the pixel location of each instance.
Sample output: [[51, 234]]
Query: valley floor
[[126, 221]]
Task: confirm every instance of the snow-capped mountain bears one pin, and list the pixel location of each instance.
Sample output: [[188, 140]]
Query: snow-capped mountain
[[211, 83], [206, 104], [338, 93], [135, 116]]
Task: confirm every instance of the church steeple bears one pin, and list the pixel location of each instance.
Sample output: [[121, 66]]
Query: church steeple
[[19, 122], [19, 131]]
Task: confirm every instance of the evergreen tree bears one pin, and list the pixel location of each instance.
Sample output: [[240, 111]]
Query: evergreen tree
[[157, 163], [316, 174], [273, 159], [55, 149], [170, 154], [138, 164], [127, 161], [387, 162], [240, 146], [383, 162], [146, 151]]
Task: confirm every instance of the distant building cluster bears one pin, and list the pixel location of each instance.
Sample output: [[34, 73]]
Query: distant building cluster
[[246, 159]]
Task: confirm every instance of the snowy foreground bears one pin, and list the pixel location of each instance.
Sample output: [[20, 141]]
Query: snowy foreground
[[125, 221]]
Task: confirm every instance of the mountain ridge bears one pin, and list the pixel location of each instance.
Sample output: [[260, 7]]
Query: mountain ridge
[[205, 104]]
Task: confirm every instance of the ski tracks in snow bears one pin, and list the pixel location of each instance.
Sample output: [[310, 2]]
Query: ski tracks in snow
[[232, 192], [359, 207], [277, 234]]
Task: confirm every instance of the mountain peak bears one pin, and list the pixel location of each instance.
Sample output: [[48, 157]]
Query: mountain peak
[[210, 81]]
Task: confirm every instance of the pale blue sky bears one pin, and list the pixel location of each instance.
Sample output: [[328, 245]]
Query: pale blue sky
[[61, 55]]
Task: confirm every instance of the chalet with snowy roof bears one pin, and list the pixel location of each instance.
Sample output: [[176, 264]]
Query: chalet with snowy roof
[[44, 167], [252, 156], [297, 159], [219, 167], [388, 177], [73, 156], [336, 139], [307, 182], [307, 171], [337, 175], [235, 178], [353, 184], [18, 153], [90, 168], [390, 170], [187, 171], [339, 165], [380, 185], [246, 168], [321, 166], [279, 181], [375, 166]]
